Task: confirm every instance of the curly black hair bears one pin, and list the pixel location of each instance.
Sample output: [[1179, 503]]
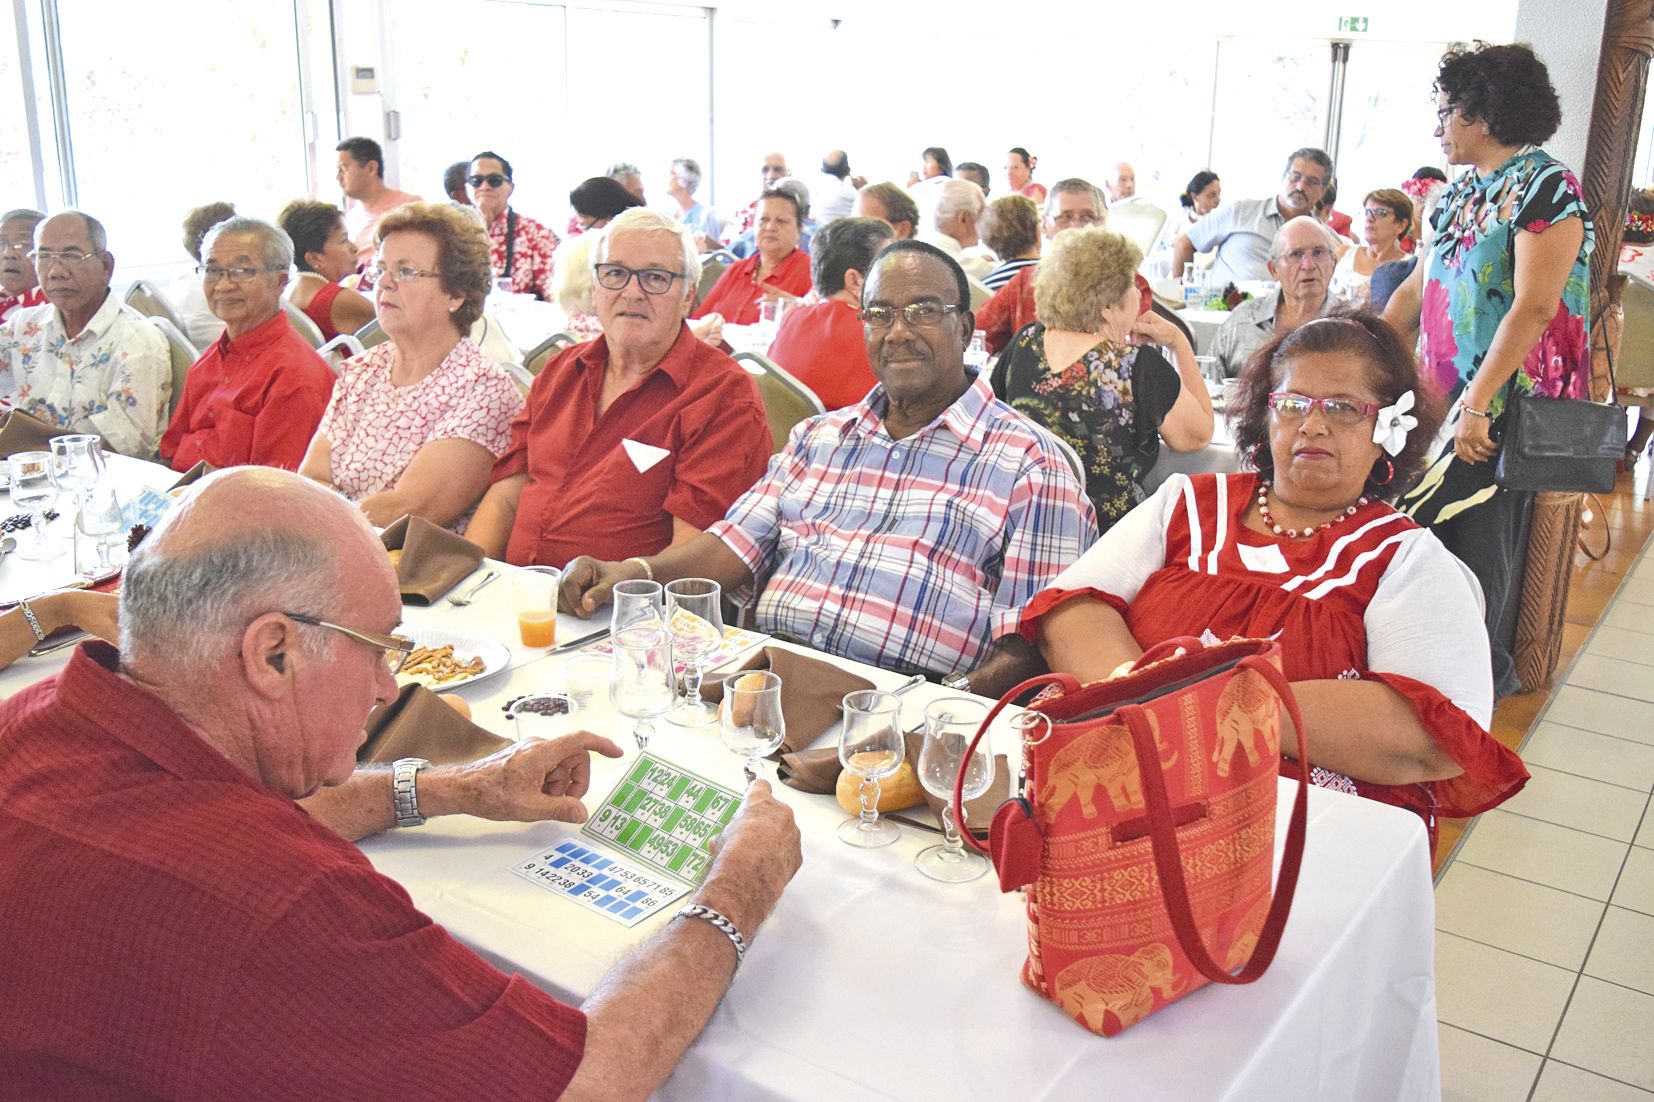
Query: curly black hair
[[1506, 87], [1392, 370]]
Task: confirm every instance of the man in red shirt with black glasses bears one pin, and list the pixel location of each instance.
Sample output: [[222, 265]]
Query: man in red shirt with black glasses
[[176, 926]]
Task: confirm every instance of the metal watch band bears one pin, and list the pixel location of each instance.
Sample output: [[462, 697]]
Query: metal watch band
[[958, 680], [34, 624], [404, 790], [719, 923]]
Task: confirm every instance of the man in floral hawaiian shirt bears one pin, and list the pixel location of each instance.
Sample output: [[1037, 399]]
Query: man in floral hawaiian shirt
[[86, 362]]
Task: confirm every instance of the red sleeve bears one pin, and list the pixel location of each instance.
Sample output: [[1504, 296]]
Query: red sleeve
[[1492, 772], [725, 448], [174, 436], [1047, 599], [997, 318]]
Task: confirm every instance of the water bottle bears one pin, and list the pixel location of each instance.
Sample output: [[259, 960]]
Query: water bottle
[[1193, 293]]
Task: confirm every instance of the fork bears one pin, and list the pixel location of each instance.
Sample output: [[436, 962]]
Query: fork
[[460, 600]]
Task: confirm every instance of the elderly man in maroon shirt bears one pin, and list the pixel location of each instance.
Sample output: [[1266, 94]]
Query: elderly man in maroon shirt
[[258, 391], [176, 926], [636, 440]]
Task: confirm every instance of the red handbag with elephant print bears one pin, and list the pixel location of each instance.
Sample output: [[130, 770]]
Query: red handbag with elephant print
[[1145, 829]]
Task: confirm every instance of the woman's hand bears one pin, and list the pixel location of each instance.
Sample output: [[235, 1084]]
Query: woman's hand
[[1151, 328], [1471, 440]]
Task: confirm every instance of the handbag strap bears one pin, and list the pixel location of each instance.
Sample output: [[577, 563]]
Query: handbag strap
[[1168, 860], [1608, 354], [1069, 684]]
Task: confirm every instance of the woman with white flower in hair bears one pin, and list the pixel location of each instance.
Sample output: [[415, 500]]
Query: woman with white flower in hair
[[1380, 627]]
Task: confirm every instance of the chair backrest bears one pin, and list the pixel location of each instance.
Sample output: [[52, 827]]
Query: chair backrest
[[536, 360], [710, 271], [519, 375], [146, 298], [307, 329], [371, 334], [340, 349], [1066, 450], [1138, 222], [182, 354], [786, 400], [1634, 366]]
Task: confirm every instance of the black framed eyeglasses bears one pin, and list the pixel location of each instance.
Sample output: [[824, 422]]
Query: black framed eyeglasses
[[492, 179], [1445, 113], [921, 314], [654, 281], [396, 648]]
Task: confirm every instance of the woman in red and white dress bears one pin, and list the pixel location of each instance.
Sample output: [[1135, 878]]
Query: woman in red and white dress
[[1380, 626]]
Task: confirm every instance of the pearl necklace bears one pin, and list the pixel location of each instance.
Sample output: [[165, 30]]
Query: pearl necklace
[[1293, 533]]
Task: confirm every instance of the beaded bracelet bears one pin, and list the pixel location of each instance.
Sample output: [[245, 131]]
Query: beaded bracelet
[[719, 923], [1482, 413]]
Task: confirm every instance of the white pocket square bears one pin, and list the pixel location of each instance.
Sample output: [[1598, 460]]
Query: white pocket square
[[643, 456]]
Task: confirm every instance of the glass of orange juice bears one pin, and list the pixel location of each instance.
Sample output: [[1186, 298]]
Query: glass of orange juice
[[534, 600]]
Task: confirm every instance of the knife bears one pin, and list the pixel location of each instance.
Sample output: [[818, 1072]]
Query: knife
[[574, 644]]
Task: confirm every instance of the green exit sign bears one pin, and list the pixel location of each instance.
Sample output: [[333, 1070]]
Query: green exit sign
[[1352, 24]]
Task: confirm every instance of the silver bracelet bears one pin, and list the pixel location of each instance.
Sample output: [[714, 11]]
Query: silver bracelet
[[648, 571], [719, 923], [34, 624]]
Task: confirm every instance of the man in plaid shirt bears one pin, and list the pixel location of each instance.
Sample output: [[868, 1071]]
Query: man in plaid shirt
[[905, 531]]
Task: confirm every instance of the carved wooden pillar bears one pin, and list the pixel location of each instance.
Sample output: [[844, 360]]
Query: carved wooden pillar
[[1611, 149]]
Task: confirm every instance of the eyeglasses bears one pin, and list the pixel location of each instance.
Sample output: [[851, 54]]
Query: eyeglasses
[[1445, 113], [210, 274], [1378, 212], [1307, 181], [1340, 411], [923, 314], [44, 259], [400, 274], [396, 648], [1076, 218], [492, 179], [1318, 254], [21, 245], [654, 281]]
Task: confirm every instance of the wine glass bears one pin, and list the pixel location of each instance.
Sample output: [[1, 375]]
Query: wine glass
[[637, 602], [751, 718], [100, 517], [694, 609], [77, 463], [870, 745], [33, 488], [950, 723], [642, 688]]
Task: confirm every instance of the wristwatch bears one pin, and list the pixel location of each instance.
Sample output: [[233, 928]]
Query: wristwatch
[[958, 680], [404, 777]]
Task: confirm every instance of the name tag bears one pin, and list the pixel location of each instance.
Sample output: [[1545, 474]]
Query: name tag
[[644, 456], [1265, 559]]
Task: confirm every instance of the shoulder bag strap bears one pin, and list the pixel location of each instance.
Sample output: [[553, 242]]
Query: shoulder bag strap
[[1069, 683], [1168, 861]]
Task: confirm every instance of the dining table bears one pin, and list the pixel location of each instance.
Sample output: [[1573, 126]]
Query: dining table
[[871, 981]]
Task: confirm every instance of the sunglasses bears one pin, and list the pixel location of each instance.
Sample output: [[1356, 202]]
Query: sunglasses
[[492, 179]]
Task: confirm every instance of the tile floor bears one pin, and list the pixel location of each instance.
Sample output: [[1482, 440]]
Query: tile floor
[[1545, 906]]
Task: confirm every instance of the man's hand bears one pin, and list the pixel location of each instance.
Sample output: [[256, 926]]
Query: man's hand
[[756, 855], [588, 584], [524, 783]]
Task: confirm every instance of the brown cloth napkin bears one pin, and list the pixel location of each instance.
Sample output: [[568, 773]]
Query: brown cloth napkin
[[434, 560], [419, 725], [195, 474], [812, 693], [22, 433], [811, 770]]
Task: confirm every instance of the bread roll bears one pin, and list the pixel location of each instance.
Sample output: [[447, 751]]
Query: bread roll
[[898, 791], [457, 703], [740, 708]]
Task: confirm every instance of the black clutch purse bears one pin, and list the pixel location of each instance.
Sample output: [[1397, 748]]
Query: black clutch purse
[[1565, 445]]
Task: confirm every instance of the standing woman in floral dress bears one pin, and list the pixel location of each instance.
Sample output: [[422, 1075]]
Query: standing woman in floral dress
[[1499, 300]]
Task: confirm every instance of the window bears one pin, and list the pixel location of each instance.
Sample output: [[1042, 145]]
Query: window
[[1389, 119], [1271, 100]]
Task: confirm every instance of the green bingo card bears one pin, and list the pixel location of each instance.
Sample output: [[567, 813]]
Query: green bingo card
[[663, 816]]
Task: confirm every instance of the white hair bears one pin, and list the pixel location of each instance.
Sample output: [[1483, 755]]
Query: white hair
[[644, 220], [956, 196], [688, 173], [1277, 248], [276, 246], [571, 275]]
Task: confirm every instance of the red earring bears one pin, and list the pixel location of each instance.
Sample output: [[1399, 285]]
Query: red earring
[[1389, 474]]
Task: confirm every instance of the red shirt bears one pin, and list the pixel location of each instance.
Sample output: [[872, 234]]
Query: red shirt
[[823, 347], [532, 247], [172, 929], [1012, 307], [737, 292], [598, 485], [34, 296], [254, 400]]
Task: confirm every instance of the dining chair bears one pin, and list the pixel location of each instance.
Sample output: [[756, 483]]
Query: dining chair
[[371, 334], [146, 298], [341, 348], [181, 353], [786, 400], [536, 360], [301, 322]]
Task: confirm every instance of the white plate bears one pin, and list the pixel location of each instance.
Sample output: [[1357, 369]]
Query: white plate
[[494, 654]]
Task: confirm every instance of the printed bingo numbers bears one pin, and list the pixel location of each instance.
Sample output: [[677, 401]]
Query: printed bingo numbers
[[664, 816]]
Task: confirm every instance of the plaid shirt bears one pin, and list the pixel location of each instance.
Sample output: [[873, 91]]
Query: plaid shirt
[[910, 554]]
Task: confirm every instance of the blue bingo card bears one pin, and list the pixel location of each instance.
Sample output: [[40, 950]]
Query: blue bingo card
[[599, 882]]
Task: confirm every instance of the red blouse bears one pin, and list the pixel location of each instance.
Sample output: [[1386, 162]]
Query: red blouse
[[737, 293]]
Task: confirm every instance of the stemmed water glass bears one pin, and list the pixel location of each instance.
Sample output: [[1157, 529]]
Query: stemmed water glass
[[694, 609], [637, 601], [100, 517], [33, 488], [950, 723], [870, 745], [77, 463], [642, 688], [751, 718]]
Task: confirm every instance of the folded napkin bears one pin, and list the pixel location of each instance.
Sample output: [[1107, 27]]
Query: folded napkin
[[817, 771], [22, 433], [811, 770], [812, 693], [417, 724], [195, 474], [434, 560]]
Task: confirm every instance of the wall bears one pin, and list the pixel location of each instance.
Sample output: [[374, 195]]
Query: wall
[[1567, 36]]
